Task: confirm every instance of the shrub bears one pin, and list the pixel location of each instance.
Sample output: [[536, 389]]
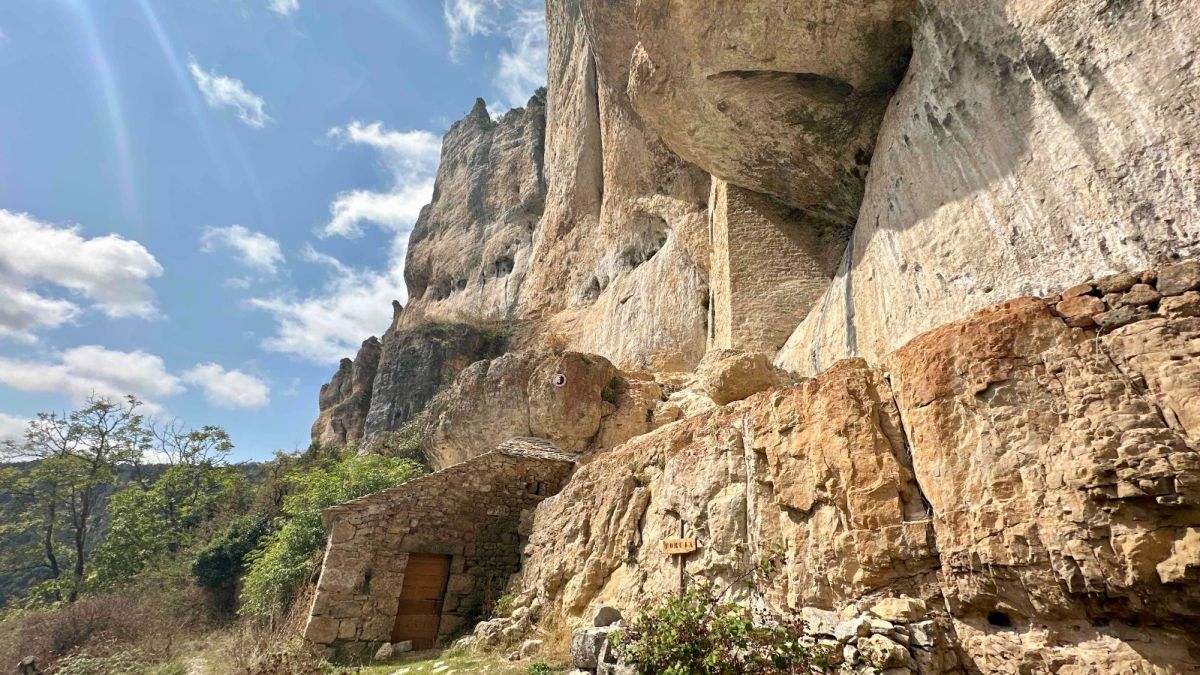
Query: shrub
[[99, 625], [285, 558], [540, 668], [219, 564], [700, 633], [612, 390]]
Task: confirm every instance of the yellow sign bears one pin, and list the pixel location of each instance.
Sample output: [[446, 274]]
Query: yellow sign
[[679, 545]]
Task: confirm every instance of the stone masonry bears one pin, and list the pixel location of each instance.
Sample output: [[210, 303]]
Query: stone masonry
[[769, 264], [470, 511]]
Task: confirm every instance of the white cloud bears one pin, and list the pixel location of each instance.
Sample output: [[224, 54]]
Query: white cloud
[[467, 18], [229, 388], [89, 370], [12, 428], [284, 7], [253, 249], [522, 66], [330, 324], [411, 157], [227, 92], [396, 210], [110, 272], [83, 371]]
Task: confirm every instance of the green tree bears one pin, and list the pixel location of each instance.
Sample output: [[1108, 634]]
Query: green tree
[[79, 454], [30, 524], [285, 559], [149, 520]]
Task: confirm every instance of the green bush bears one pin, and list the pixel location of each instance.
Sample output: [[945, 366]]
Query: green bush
[[540, 668], [285, 558], [700, 633], [222, 560]]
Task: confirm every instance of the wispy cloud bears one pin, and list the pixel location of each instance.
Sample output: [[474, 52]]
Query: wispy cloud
[[253, 249], [109, 272], [411, 159], [522, 65], [329, 324], [231, 389], [227, 92], [467, 18], [283, 7]]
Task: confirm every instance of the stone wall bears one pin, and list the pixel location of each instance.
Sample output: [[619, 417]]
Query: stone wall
[[769, 264], [471, 511]]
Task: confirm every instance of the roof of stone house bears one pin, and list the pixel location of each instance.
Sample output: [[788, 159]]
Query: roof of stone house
[[538, 449]]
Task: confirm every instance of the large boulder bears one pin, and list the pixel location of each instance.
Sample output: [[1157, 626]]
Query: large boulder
[[560, 397], [728, 375]]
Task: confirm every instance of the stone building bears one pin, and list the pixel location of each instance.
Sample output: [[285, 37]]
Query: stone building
[[422, 560]]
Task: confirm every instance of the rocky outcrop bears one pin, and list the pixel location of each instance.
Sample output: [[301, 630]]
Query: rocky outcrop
[[1030, 145], [392, 380], [470, 249], [781, 98], [345, 400], [1035, 484], [416, 362], [780, 179], [552, 396], [580, 402]]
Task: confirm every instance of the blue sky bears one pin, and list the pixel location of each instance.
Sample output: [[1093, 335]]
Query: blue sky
[[206, 203]]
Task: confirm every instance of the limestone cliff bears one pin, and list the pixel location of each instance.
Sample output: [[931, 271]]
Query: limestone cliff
[[1030, 144], [391, 380], [470, 249], [346, 400], [740, 239]]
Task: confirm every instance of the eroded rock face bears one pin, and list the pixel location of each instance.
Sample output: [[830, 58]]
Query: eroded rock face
[[1030, 145], [1032, 485], [392, 380], [1063, 478], [345, 400], [555, 396], [782, 98], [623, 244], [470, 249]]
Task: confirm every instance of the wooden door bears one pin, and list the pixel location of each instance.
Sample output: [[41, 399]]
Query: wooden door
[[420, 610]]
